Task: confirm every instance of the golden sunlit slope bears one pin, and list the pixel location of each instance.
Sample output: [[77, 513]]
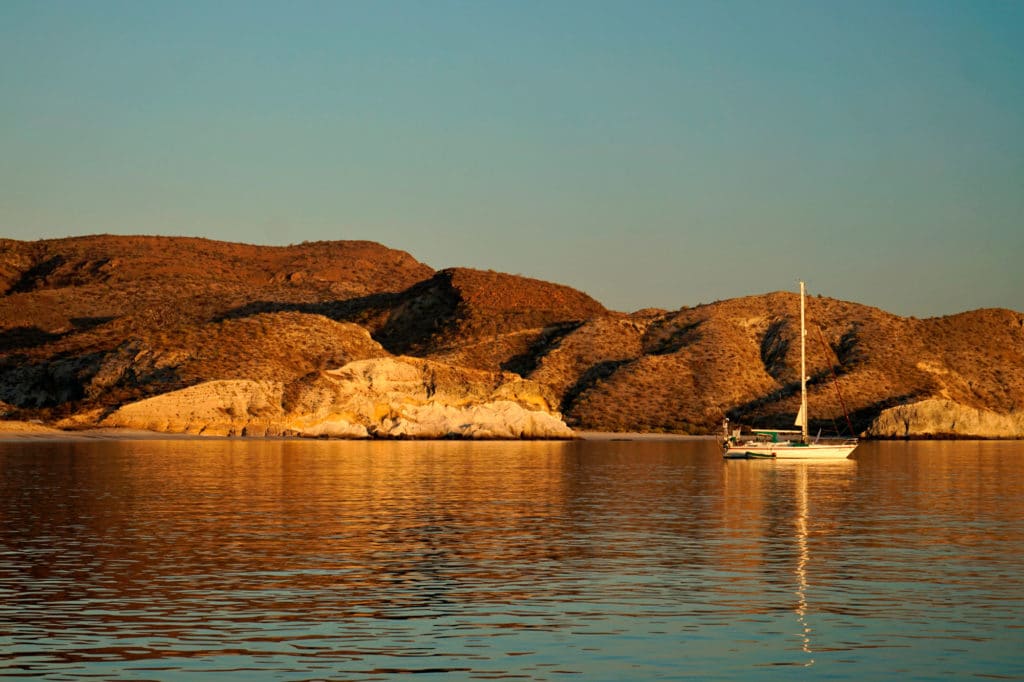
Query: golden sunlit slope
[[61, 284]]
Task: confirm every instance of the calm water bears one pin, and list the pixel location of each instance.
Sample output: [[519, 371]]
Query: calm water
[[600, 561]]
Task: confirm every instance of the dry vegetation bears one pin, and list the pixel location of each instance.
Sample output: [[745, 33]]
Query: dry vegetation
[[94, 322]]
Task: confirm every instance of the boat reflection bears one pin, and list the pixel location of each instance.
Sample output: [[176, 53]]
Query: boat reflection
[[797, 506]]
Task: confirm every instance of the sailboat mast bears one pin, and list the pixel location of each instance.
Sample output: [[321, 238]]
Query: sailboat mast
[[803, 365]]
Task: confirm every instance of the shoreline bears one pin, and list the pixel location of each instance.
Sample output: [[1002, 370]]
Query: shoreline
[[630, 435], [18, 431]]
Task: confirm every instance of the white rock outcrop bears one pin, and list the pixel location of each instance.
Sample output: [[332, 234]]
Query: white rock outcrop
[[383, 397], [213, 408], [945, 418]]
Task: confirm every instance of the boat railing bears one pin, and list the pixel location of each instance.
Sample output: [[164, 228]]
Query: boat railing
[[837, 440]]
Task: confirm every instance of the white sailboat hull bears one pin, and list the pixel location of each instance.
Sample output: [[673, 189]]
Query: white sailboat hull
[[790, 450]]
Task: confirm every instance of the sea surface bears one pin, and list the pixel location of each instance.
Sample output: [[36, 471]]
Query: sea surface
[[594, 560]]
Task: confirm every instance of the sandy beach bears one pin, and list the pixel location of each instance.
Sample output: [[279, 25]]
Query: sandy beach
[[18, 430]]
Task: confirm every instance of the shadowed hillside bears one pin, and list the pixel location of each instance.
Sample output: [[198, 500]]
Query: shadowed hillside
[[90, 324], [482, 319]]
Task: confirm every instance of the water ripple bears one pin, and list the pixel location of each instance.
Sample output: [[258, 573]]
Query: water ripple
[[325, 560]]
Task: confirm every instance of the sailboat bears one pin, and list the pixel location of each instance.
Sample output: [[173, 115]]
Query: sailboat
[[772, 443]]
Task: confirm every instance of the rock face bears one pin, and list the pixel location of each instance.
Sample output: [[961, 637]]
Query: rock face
[[937, 418], [215, 408], [384, 398]]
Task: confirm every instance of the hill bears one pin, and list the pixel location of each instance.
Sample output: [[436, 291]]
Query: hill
[[91, 324], [685, 370], [97, 321]]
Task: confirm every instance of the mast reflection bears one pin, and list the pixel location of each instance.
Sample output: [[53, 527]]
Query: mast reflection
[[782, 516], [803, 557]]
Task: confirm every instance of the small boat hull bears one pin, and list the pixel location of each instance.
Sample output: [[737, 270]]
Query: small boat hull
[[790, 451]]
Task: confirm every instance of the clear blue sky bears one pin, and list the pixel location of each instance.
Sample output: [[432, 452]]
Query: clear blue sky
[[652, 154]]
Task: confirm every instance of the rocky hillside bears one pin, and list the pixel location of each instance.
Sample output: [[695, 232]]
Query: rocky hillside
[[685, 370], [98, 321], [92, 325]]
